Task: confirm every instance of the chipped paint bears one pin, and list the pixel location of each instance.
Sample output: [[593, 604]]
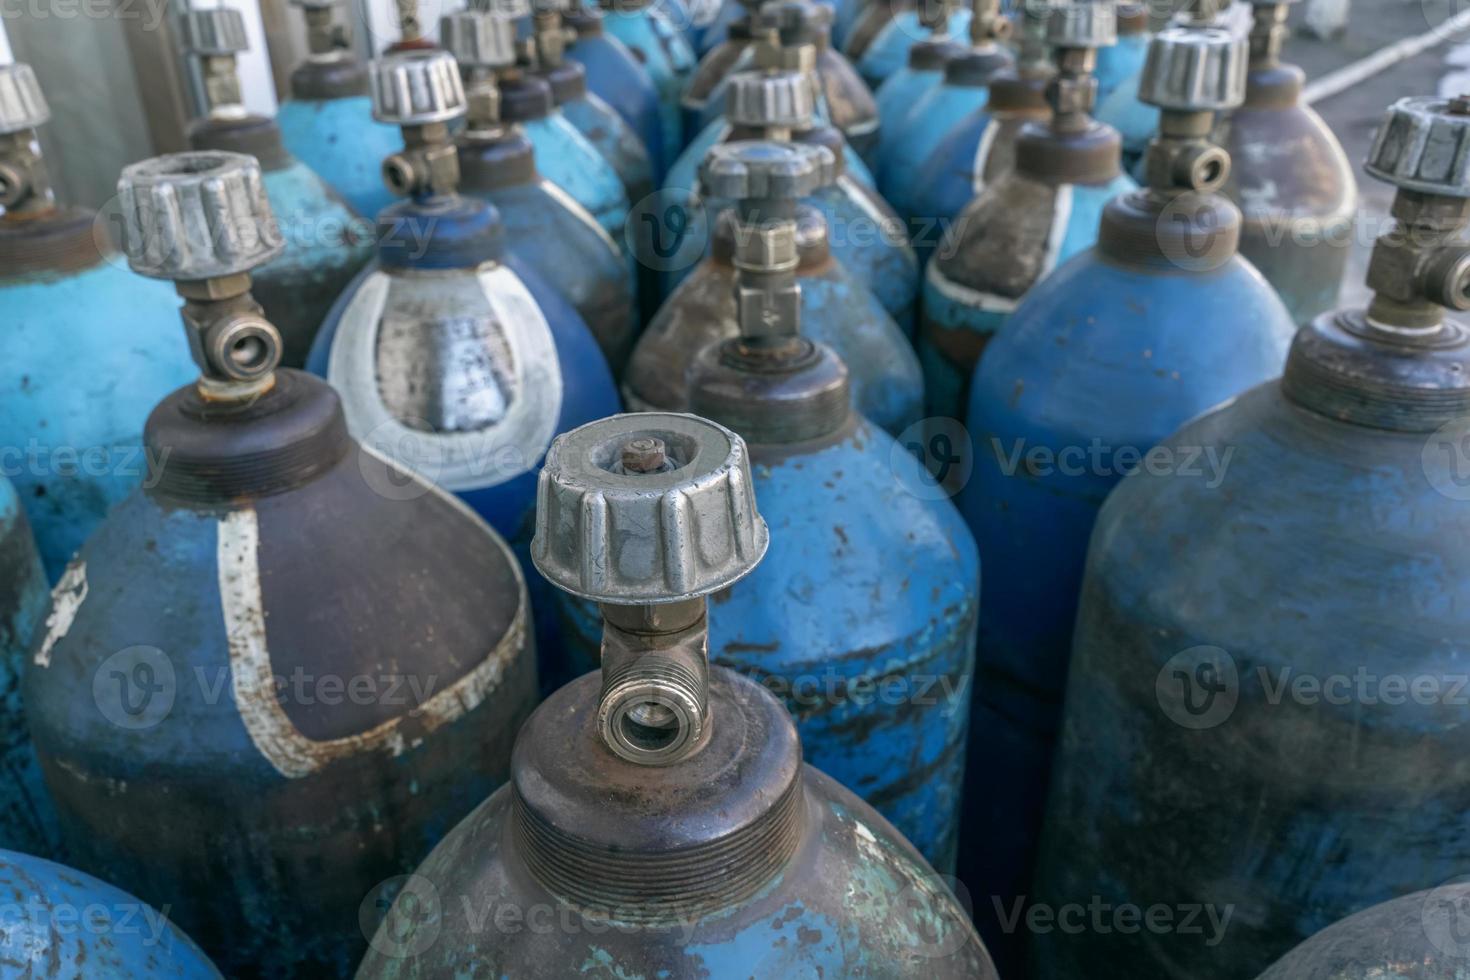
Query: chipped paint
[[66, 602]]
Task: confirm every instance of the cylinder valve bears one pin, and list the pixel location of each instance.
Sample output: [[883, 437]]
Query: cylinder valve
[[25, 185], [420, 92]]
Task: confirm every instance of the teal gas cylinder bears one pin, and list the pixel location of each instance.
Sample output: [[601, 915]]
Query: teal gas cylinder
[[600, 125], [328, 123], [1417, 937], [64, 925], [1026, 223], [898, 587], [865, 236], [1161, 320], [645, 29], [1123, 62], [879, 40], [284, 667], [898, 95], [27, 817], [702, 102], [563, 154], [616, 76], [327, 243], [543, 225], [974, 154], [1289, 177], [90, 345], [1294, 623], [836, 310], [661, 804], [964, 90]]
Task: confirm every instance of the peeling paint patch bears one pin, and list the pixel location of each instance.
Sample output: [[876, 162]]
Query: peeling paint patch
[[66, 602], [254, 681]]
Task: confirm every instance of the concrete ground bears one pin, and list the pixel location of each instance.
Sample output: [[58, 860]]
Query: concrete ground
[[1354, 114]]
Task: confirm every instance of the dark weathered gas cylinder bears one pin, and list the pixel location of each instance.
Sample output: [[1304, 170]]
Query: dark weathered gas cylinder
[[326, 241], [656, 42], [64, 925], [866, 236], [615, 74], [883, 33], [600, 125], [327, 123], [1417, 937], [964, 90], [452, 356], [543, 225], [1289, 177], [659, 810], [836, 310], [895, 600], [91, 347], [278, 673], [1121, 345], [27, 818], [1026, 223], [1265, 708]]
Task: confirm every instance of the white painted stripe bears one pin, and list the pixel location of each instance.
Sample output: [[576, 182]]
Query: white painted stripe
[[487, 457], [889, 225], [1345, 78], [253, 677], [1061, 217], [66, 602], [982, 155], [947, 287], [554, 191]]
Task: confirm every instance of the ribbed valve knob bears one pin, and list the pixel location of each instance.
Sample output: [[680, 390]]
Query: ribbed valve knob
[[416, 88], [479, 40], [193, 216], [1082, 25], [317, 4], [215, 31], [1195, 69], [749, 170], [22, 106], [647, 509], [1424, 145], [785, 99]]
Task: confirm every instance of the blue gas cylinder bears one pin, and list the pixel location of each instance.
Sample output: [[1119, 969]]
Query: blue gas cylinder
[[717, 31], [881, 49], [27, 816], [553, 235], [1008, 239], [1135, 121], [64, 925], [684, 174], [667, 791], [278, 672], [663, 51], [1121, 345], [964, 91], [974, 154], [1281, 632], [1123, 62], [902, 90], [704, 97], [600, 126], [616, 76], [92, 347], [327, 123], [327, 243], [565, 155]]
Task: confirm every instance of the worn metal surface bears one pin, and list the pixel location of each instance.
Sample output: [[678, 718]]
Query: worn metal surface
[[667, 58], [684, 174], [1089, 373], [1010, 237], [64, 925], [572, 163], [1391, 941], [616, 76], [612, 137], [836, 309], [555, 236], [830, 890], [27, 818], [253, 718], [101, 347], [344, 144]]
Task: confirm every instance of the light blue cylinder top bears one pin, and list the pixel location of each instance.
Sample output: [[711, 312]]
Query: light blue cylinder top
[[666, 55], [1117, 63], [568, 160], [614, 139], [58, 923], [896, 99], [93, 352], [344, 144], [615, 75], [937, 112], [889, 51], [1135, 121], [684, 174]]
